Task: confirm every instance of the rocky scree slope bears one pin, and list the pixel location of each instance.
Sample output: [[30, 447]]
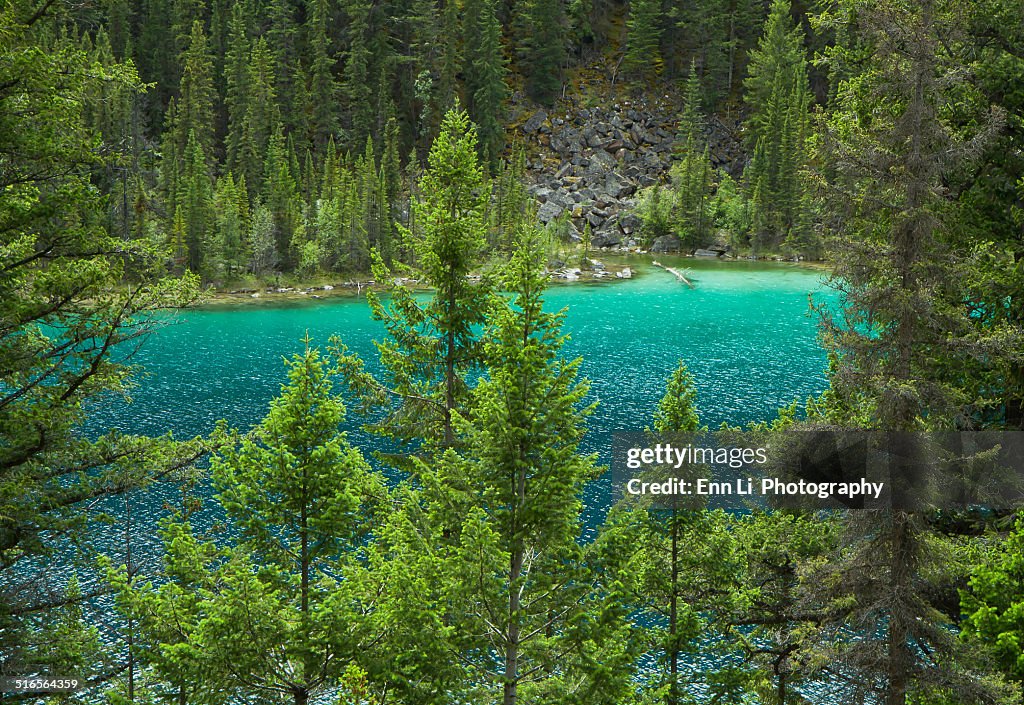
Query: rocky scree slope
[[588, 163]]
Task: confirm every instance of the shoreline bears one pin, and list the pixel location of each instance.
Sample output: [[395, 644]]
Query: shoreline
[[620, 268]]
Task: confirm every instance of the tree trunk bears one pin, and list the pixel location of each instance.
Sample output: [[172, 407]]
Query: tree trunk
[[673, 616], [900, 659]]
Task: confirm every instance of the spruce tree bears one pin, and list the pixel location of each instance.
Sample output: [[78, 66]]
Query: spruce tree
[[195, 105], [691, 175], [291, 603], [357, 74], [643, 35], [902, 324], [778, 96], [683, 565], [71, 298], [516, 584], [260, 119], [195, 206], [485, 79], [236, 77], [542, 48], [433, 345], [231, 225], [323, 93], [282, 196]]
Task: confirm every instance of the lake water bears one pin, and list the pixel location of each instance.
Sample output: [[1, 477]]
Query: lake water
[[745, 331]]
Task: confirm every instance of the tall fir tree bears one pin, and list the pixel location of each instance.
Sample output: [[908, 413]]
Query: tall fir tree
[[357, 74], [291, 604], [323, 90], [778, 96], [682, 569], [516, 583], [903, 323], [541, 47], [195, 206], [435, 344], [691, 175], [261, 117], [486, 89], [196, 95], [643, 36], [236, 80]]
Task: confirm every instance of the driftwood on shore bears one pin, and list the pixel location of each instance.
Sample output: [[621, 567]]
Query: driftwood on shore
[[675, 272]]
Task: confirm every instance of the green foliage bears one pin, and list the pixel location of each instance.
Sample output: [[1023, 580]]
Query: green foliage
[[434, 345], [520, 481], [654, 208], [541, 48], [902, 329], [677, 410], [643, 28], [779, 550], [485, 78], [685, 210], [993, 604], [778, 96], [676, 564], [733, 210], [70, 294], [288, 605]]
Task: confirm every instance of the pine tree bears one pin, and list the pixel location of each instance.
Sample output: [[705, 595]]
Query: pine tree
[[357, 74], [236, 70], [231, 222], [512, 207], [282, 36], [778, 95], [903, 323], [541, 48], [433, 345], [290, 605], [485, 78], [195, 206], [516, 583], [391, 188], [261, 117], [683, 567], [323, 93], [643, 27], [195, 114], [691, 176], [282, 196]]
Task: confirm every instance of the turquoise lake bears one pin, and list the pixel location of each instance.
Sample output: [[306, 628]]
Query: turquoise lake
[[745, 331]]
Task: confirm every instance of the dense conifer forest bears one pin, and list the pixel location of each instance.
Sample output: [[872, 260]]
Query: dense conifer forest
[[152, 149]]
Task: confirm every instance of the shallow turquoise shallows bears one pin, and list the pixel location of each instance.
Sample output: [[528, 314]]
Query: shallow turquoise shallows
[[745, 331]]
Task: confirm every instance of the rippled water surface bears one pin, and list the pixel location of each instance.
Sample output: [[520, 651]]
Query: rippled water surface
[[744, 330]]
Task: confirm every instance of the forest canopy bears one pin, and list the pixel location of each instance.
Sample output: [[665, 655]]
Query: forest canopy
[[152, 150]]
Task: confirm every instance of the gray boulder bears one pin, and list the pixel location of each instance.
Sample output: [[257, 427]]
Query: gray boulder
[[548, 212], [608, 235], [617, 187], [535, 121], [629, 223], [601, 161], [666, 243]]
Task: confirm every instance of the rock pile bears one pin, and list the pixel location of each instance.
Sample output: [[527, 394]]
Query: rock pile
[[590, 162]]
